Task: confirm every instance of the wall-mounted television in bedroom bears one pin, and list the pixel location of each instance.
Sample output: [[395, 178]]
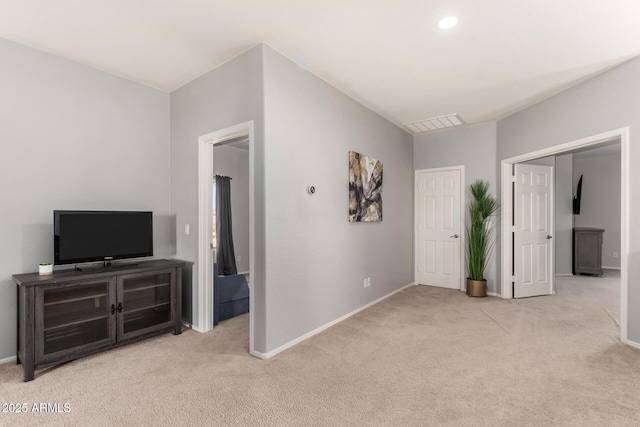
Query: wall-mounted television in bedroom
[[86, 236]]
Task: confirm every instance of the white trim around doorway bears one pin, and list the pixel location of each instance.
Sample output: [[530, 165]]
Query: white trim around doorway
[[507, 201], [203, 299]]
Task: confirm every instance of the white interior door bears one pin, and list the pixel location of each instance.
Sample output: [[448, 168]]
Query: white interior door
[[439, 227], [533, 228]]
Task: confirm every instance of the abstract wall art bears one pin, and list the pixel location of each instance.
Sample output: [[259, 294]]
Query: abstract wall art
[[365, 188]]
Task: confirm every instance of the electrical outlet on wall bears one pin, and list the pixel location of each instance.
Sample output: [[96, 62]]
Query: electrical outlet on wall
[[239, 258], [367, 282]]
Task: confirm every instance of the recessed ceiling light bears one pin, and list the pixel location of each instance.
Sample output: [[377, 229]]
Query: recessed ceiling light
[[447, 23]]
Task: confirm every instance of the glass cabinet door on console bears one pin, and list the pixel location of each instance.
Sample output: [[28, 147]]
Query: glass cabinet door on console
[[74, 317], [146, 300]]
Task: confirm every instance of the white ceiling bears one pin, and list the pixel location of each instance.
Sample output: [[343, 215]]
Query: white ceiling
[[502, 56]]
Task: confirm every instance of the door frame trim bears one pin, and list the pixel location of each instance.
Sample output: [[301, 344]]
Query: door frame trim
[[203, 299], [592, 142], [463, 212]]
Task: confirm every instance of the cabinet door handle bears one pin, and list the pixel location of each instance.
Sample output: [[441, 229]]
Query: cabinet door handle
[[549, 236], [120, 308], [113, 309]]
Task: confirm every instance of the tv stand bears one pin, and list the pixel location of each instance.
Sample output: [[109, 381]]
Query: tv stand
[[72, 313]]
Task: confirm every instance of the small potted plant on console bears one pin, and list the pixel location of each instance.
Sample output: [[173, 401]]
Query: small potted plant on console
[[45, 268]]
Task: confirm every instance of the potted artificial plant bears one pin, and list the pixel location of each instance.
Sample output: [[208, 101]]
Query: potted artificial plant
[[480, 236], [45, 268]]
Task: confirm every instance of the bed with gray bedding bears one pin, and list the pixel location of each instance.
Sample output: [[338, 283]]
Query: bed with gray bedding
[[230, 296]]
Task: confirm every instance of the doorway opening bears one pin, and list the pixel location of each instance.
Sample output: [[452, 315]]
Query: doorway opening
[[620, 136], [241, 134]]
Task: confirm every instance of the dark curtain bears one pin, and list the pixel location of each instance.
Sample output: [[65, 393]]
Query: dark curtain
[[226, 257]]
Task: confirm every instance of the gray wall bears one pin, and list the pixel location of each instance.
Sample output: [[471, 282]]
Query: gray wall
[[73, 138], [475, 148], [234, 162], [600, 205], [608, 101], [316, 259], [564, 214], [224, 97]]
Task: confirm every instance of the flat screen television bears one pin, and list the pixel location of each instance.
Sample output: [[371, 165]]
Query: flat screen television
[[85, 236]]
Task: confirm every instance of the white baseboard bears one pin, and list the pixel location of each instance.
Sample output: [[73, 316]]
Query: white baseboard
[[242, 272], [316, 331], [564, 274], [258, 354], [494, 294], [611, 268], [633, 344], [8, 360]]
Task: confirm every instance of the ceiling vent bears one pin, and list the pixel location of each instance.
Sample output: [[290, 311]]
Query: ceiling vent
[[434, 123]]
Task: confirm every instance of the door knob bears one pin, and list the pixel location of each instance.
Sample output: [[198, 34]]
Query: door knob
[[549, 236], [455, 236]]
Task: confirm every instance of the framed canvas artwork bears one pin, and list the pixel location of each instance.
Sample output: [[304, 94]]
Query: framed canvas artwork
[[365, 188]]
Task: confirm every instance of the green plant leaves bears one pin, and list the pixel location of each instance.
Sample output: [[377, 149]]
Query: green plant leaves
[[479, 231]]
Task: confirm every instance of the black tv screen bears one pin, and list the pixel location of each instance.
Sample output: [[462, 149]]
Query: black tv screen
[[84, 236]]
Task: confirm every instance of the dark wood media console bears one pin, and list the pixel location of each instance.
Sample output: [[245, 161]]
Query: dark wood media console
[[587, 251], [71, 313]]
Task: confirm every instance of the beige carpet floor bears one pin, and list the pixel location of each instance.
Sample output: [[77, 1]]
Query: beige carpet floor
[[425, 356]]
